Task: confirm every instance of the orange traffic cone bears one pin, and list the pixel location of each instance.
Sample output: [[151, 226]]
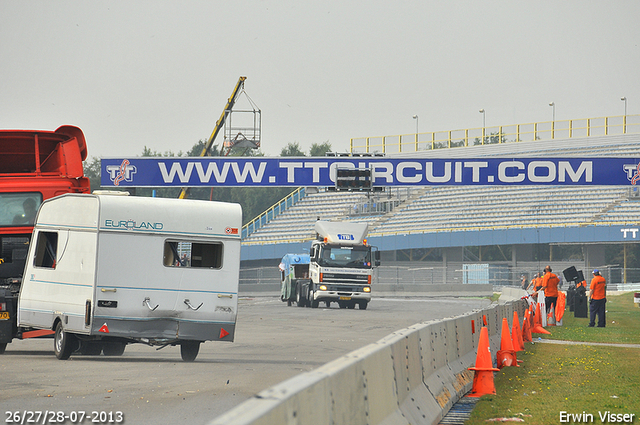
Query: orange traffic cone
[[531, 314], [537, 323], [551, 316], [483, 370], [506, 355], [516, 333], [526, 328]]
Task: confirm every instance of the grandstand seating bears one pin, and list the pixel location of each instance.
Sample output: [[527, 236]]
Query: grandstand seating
[[450, 209], [296, 223]]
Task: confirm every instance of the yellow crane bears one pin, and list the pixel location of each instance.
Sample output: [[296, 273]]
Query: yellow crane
[[219, 124]]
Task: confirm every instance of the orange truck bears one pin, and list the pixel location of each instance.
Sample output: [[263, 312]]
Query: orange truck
[[35, 165]]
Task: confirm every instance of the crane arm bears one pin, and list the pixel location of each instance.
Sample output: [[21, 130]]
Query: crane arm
[[207, 147]]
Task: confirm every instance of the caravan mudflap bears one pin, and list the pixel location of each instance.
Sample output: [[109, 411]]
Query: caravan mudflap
[[163, 328]]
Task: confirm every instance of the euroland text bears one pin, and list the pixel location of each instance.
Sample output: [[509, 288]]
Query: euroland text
[[605, 417]]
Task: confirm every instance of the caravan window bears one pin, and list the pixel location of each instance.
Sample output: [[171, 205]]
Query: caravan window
[[46, 250], [192, 254]]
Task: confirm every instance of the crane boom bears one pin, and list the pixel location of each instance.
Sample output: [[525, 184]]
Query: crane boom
[[207, 147]]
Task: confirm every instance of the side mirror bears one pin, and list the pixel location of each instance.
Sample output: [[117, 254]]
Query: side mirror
[[377, 256], [377, 263]]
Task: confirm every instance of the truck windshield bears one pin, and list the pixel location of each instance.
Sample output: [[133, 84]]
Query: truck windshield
[[19, 208], [345, 256]]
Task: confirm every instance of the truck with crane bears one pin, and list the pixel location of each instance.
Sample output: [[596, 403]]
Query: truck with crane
[[340, 268], [35, 165]]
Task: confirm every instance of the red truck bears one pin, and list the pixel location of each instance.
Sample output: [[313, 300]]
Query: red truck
[[34, 165]]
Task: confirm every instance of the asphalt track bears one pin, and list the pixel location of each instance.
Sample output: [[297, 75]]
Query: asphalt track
[[273, 343]]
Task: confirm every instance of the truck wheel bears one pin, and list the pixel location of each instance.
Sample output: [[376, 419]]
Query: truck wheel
[[363, 305], [308, 296], [113, 348], [300, 301], [189, 350], [3, 347], [63, 343]]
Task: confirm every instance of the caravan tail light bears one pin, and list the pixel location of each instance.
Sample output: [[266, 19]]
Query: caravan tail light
[[3, 306]]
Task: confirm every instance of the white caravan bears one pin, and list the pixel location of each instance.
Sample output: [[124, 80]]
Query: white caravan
[[106, 270]]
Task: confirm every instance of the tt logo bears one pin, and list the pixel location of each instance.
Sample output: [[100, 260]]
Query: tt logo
[[633, 173], [123, 172], [633, 232]]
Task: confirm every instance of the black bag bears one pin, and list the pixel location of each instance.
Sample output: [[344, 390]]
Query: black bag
[[571, 274], [580, 307]]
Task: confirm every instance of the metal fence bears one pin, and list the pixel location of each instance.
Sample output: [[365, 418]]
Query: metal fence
[[548, 130], [433, 273], [260, 275]]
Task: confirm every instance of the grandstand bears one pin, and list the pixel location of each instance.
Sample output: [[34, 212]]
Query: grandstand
[[451, 219]]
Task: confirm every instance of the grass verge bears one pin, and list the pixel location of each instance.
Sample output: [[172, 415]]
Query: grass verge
[[578, 379]]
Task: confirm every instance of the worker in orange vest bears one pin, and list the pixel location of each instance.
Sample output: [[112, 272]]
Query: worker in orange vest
[[597, 300], [550, 285], [534, 282], [539, 281]]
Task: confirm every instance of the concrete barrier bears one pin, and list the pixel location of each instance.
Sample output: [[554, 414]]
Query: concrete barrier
[[412, 376], [511, 294]]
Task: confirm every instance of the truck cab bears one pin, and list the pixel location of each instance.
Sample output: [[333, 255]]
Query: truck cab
[[35, 165], [341, 264]]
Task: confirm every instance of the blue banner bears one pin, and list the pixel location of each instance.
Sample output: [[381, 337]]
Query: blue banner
[[321, 171]]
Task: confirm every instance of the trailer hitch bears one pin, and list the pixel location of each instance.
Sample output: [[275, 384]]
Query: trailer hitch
[[146, 302], [188, 303]]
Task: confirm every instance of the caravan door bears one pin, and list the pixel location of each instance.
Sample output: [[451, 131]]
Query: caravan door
[[136, 294]]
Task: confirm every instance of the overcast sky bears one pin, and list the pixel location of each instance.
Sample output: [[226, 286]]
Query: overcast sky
[[158, 73]]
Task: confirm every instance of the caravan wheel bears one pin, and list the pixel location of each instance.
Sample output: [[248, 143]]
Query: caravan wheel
[[3, 347], [189, 350], [63, 343]]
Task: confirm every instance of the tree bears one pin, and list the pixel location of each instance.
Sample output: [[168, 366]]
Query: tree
[[492, 139], [320, 149], [292, 149], [92, 172]]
